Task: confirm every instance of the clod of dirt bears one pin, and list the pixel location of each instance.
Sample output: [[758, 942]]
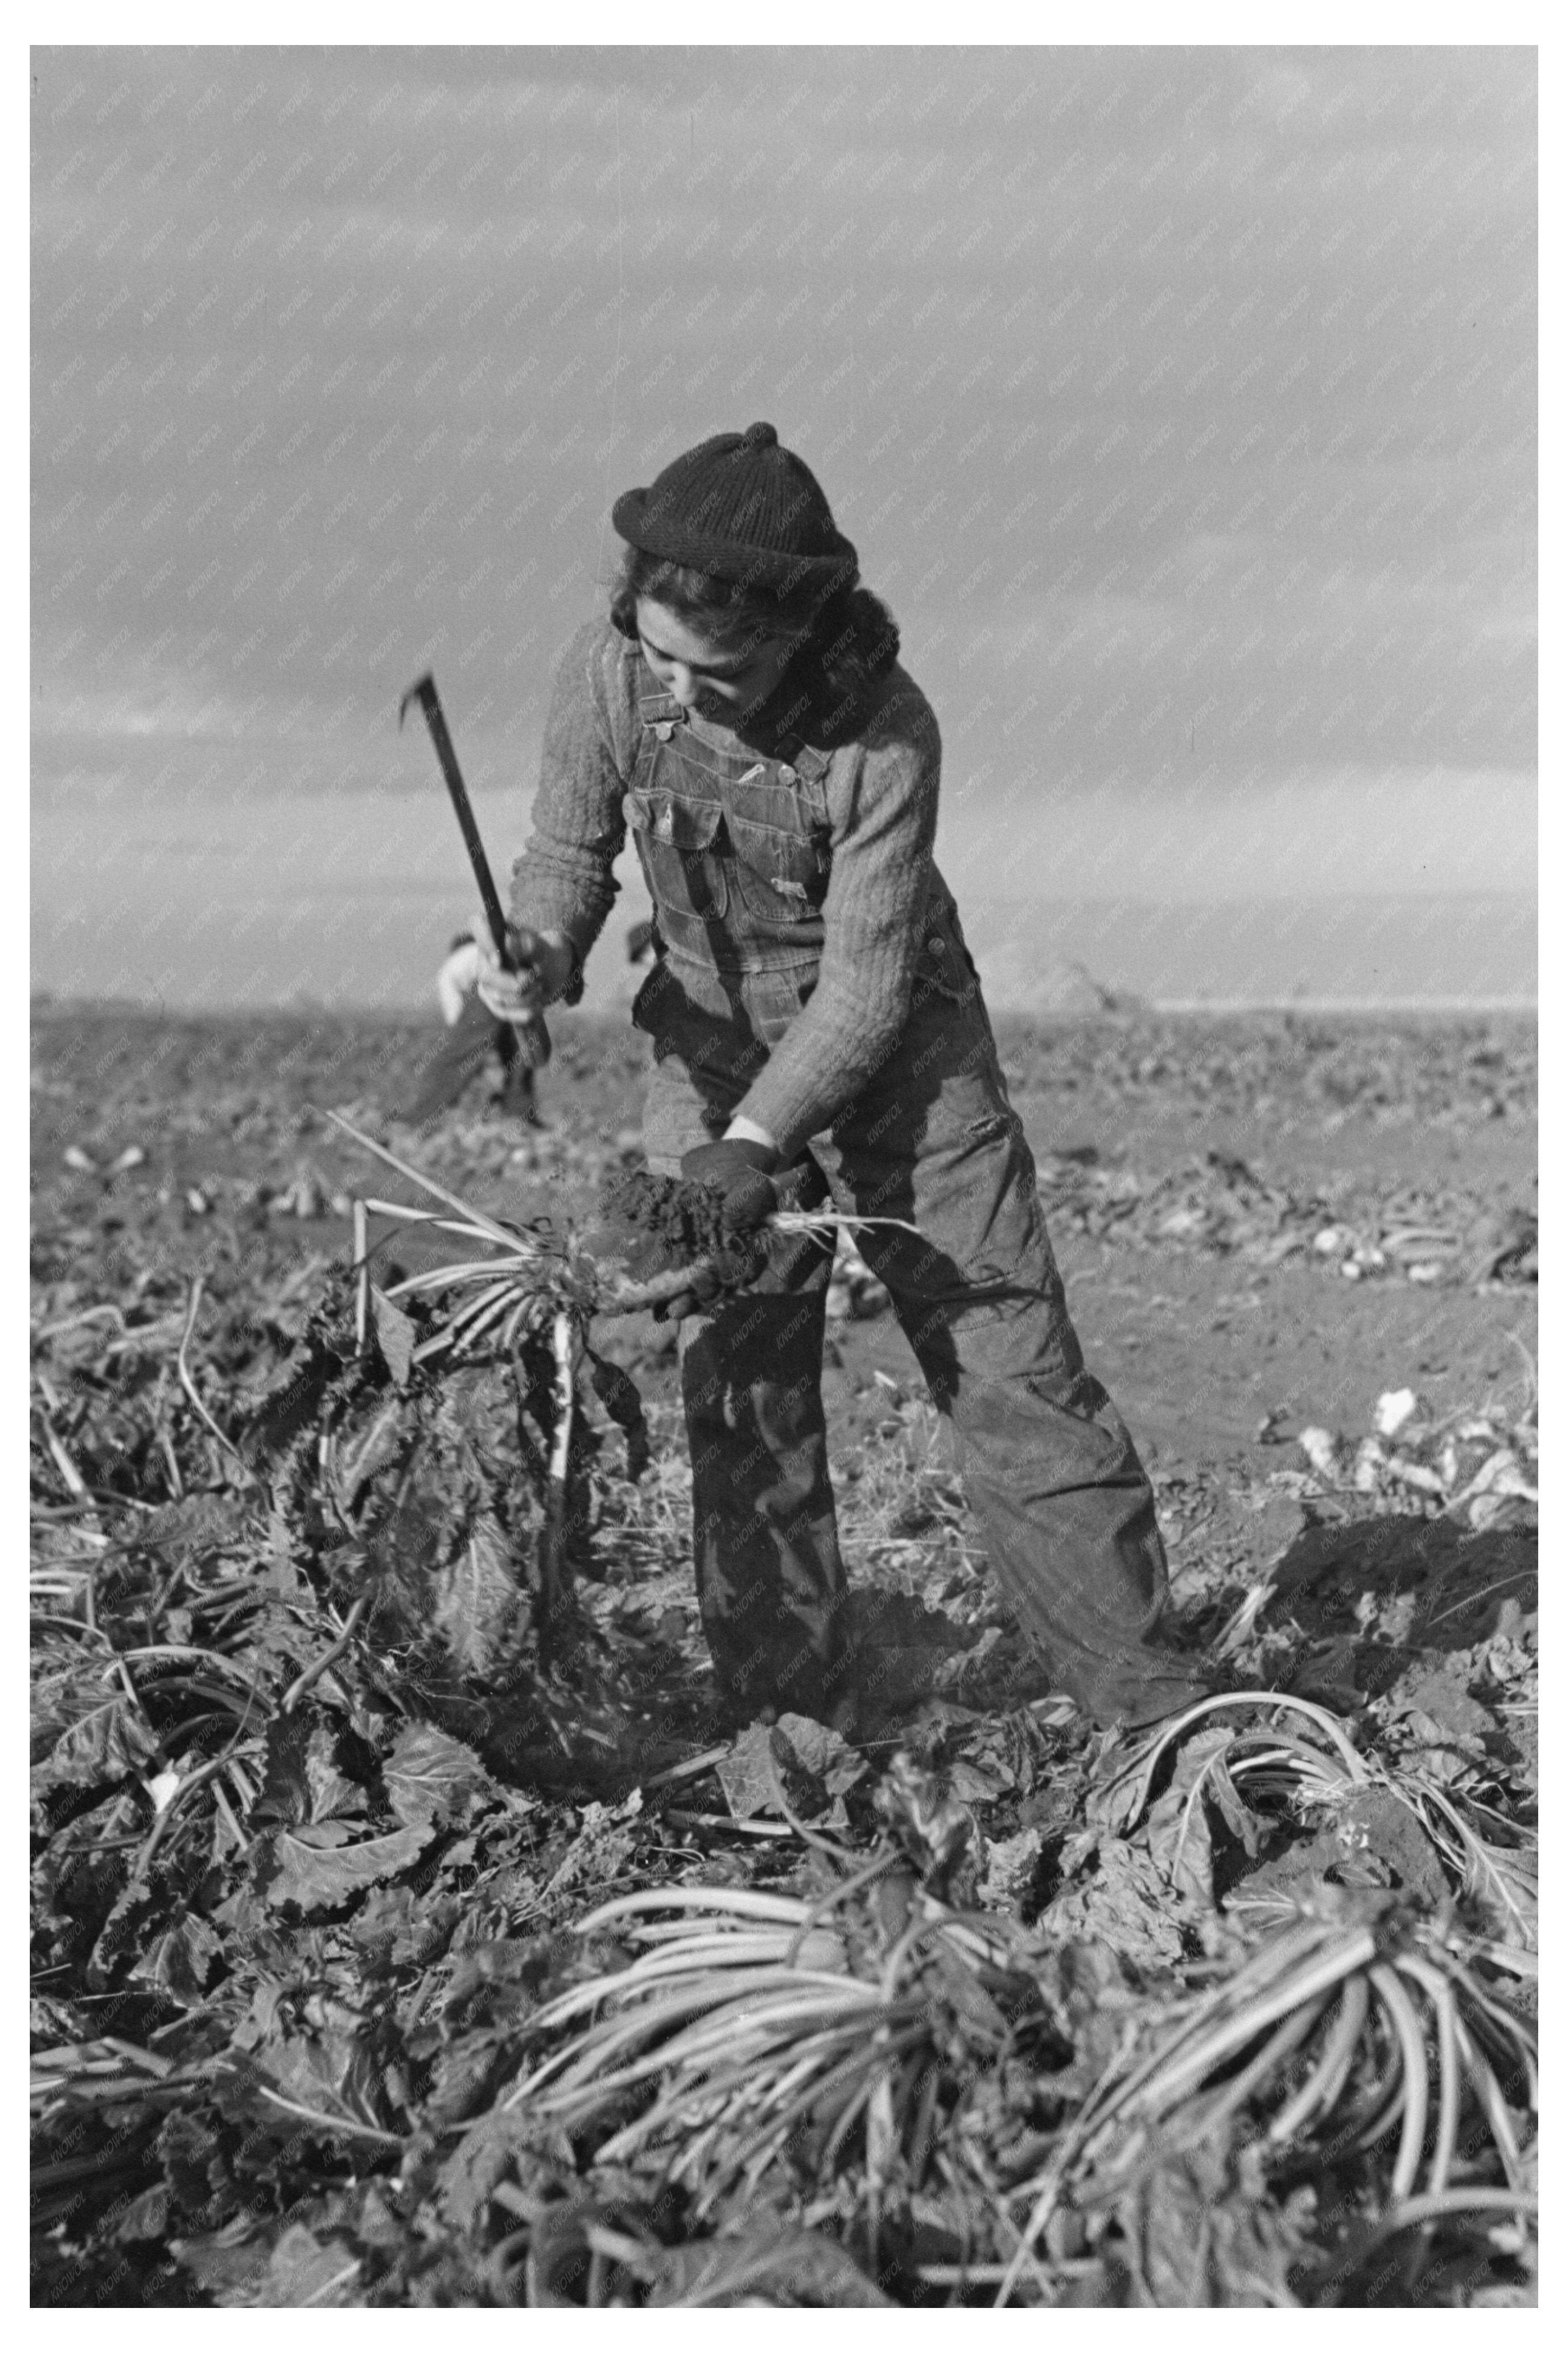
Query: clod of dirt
[[680, 1221], [1375, 1843], [902, 1647], [1406, 1583], [1441, 1696]]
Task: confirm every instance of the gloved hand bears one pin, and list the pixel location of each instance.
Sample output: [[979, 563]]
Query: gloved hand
[[739, 1169], [742, 1171]]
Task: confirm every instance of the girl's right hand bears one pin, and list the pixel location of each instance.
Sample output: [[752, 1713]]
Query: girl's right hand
[[545, 967]]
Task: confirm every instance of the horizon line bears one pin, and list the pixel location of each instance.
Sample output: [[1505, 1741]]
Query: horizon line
[[347, 1009]]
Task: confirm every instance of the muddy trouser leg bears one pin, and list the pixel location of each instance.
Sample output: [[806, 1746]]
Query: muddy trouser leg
[[1064, 1504], [769, 1580], [770, 1577]]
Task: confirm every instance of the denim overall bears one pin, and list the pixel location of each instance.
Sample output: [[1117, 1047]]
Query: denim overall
[[736, 850]]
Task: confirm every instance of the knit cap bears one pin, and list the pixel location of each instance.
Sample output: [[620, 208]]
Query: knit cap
[[741, 508]]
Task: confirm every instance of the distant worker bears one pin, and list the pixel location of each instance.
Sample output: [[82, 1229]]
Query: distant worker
[[474, 1036]]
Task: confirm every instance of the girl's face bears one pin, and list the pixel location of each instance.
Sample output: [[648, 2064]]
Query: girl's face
[[719, 682]]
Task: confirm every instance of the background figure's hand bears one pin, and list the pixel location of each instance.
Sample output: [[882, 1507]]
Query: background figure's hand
[[545, 967], [455, 979], [739, 1169]]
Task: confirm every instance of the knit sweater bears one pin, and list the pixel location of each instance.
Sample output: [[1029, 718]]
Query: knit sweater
[[883, 806]]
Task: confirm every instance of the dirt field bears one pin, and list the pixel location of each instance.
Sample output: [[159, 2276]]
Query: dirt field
[[1197, 1346], [281, 1867]]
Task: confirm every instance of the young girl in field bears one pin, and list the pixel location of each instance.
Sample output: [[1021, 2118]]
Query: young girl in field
[[817, 1025]]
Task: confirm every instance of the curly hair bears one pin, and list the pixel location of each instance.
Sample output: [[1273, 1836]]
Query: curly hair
[[848, 640]]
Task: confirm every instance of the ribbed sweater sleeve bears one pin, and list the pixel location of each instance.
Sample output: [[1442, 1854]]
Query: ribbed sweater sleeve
[[564, 881], [882, 808]]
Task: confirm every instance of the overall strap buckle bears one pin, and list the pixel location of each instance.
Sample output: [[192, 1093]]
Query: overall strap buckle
[[806, 764], [661, 715]]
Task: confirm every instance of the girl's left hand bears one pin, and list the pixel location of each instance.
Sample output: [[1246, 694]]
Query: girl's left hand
[[739, 1170]]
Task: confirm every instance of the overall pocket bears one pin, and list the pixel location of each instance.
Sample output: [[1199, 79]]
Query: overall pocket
[[680, 844], [781, 872]]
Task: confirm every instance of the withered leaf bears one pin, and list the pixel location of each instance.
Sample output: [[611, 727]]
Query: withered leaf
[[304, 2270], [475, 1596], [395, 1334], [109, 1739], [781, 2268], [318, 1867], [431, 1776], [196, 1524], [181, 1958], [622, 1400], [303, 1781]]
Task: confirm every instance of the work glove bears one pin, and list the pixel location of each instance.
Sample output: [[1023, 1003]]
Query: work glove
[[739, 1170], [742, 1172]]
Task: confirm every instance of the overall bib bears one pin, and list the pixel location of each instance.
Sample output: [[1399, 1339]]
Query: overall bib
[[736, 849]]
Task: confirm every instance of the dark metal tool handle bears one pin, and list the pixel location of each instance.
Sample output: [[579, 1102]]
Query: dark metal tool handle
[[532, 1036]]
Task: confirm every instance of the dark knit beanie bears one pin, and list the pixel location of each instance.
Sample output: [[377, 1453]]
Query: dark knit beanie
[[741, 509]]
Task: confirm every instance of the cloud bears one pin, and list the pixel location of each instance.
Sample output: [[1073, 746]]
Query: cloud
[[1181, 401]]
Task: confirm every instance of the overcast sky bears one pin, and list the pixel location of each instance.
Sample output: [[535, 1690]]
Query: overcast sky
[[1181, 404]]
